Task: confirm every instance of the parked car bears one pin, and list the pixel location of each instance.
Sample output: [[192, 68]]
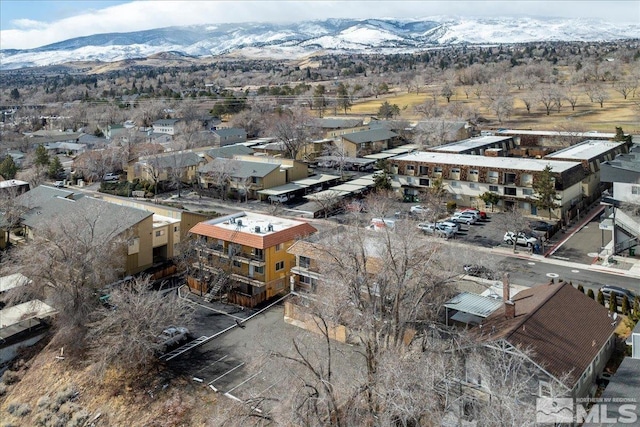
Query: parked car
[[481, 214], [417, 209], [111, 177], [454, 226], [59, 184], [540, 226], [520, 239], [434, 229], [280, 198], [378, 223], [172, 336], [619, 292], [480, 271], [464, 218]]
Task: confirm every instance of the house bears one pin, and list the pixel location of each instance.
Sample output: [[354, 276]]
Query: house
[[569, 351], [227, 152], [334, 127], [228, 136], [591, 154], [622, 207], [252, 249], [466, 177], [359, 144], [247, 175], [166, 166], [46, 206], [477, 146], [13, 187], [166, 126], [66, 148], [115, 132]]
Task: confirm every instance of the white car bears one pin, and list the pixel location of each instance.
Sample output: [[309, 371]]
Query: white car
[[419, 209], [171, 336], [464, 218], [453, 226], [111, 177], [436, 230], [520, 239]]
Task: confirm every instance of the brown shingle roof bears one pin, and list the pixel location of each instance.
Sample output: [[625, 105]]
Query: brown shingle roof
[[565, 328], [253, 240]]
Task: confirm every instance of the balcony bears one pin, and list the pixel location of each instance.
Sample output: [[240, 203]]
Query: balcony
[[410, 172]]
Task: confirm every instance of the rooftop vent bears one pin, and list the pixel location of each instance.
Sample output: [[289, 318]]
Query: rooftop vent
[[257, 229], [239, 222]]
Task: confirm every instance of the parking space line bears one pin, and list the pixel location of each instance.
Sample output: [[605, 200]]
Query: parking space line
[[226, 373], [245, 381], [208, 366]]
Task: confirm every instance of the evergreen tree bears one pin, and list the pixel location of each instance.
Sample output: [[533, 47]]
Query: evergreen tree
[[613, 303], [581, 288], [344, 100], [42, 157], [490, 198], [600, 297], [590, 294], [625, 306], [15, 94], [382, 180], [545, 187], [8, 168], [388, 111], [55, 168]]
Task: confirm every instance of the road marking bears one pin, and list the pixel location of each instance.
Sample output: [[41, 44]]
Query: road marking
[[226, 373], [245, 381], [593, 254], [575, 271], [531, 263], [208, 366], [553, 275]]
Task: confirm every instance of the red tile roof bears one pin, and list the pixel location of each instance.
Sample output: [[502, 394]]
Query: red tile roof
[[254, 240], [563, 327]]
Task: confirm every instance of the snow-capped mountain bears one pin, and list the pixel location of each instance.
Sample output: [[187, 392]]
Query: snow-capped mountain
[[264, 40]]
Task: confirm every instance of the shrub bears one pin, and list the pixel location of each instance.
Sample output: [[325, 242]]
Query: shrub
[[613, 303], [65, 395], [600, 298], [451, 206], [625, 306], [18, 409], [44, 401], [3, 389], [590, 294], [10, 377], [581, 288]]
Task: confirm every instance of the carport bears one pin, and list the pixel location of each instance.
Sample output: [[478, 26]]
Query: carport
[[317, 182], [291, 189], [470, 308]]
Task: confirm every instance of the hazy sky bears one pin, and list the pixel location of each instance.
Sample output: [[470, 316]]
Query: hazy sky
[[28, 24]]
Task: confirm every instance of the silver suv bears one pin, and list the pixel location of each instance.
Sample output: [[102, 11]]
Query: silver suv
[[171, 336], [520, 239]]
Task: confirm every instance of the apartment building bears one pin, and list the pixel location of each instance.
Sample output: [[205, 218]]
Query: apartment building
[[466, 177], [252, 249], [478, 146]]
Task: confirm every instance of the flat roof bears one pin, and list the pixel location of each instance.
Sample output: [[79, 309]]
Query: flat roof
[[586, 150], [12, 183], [484, 161], [282, 189], [555, 133], [402, 149], [327, 194], [160, 220], [378, 156], [13, 281], [349, 187], [470, 144], [27, 310], [476, 305], [316, 179], [250, 220]]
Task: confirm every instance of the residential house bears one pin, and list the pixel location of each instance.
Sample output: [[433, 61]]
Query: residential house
[[334, 127], [65, 148], [46, 206], [166, 126], [477, 146], [622, 208], [359, 144], [466, 177], [245, 176], [314, 149], [227, 152], [591, 153], [536, 138], [166, 166], [228, 136], [13, 187], [115, 132], [252, 249], [568, 351]]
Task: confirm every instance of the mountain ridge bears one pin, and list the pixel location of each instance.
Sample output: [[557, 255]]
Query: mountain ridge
[[300, 39]]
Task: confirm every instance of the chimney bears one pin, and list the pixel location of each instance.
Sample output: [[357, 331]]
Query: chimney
[[509, 306], [505, 287]]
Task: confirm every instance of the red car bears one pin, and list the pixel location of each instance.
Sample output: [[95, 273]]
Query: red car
[[482, 214]]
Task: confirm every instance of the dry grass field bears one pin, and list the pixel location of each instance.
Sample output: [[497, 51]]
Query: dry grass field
[[617, 112]]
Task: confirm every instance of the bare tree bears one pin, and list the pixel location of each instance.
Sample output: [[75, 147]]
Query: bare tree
[[512, 220], [625, 87], [292, 128], [123, 333]]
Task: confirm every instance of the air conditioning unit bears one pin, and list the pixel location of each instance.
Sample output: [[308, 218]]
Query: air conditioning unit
[[257, 229]]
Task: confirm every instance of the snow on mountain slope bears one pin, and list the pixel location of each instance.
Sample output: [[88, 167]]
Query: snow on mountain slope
[[265, 40]]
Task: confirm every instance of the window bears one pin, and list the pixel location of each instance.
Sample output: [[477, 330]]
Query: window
[[237, 263], [424, 170], [279, 265], [455, 184], [473, 172], [493, 188], [635, 190], [258, 254], [455, 170], [255, 179], [437, 169], [258, 270], [175, 229], [527, 192], [159, 233], [304, 262], [279, 247], [472, 185], [509, 191], [411, 167]]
